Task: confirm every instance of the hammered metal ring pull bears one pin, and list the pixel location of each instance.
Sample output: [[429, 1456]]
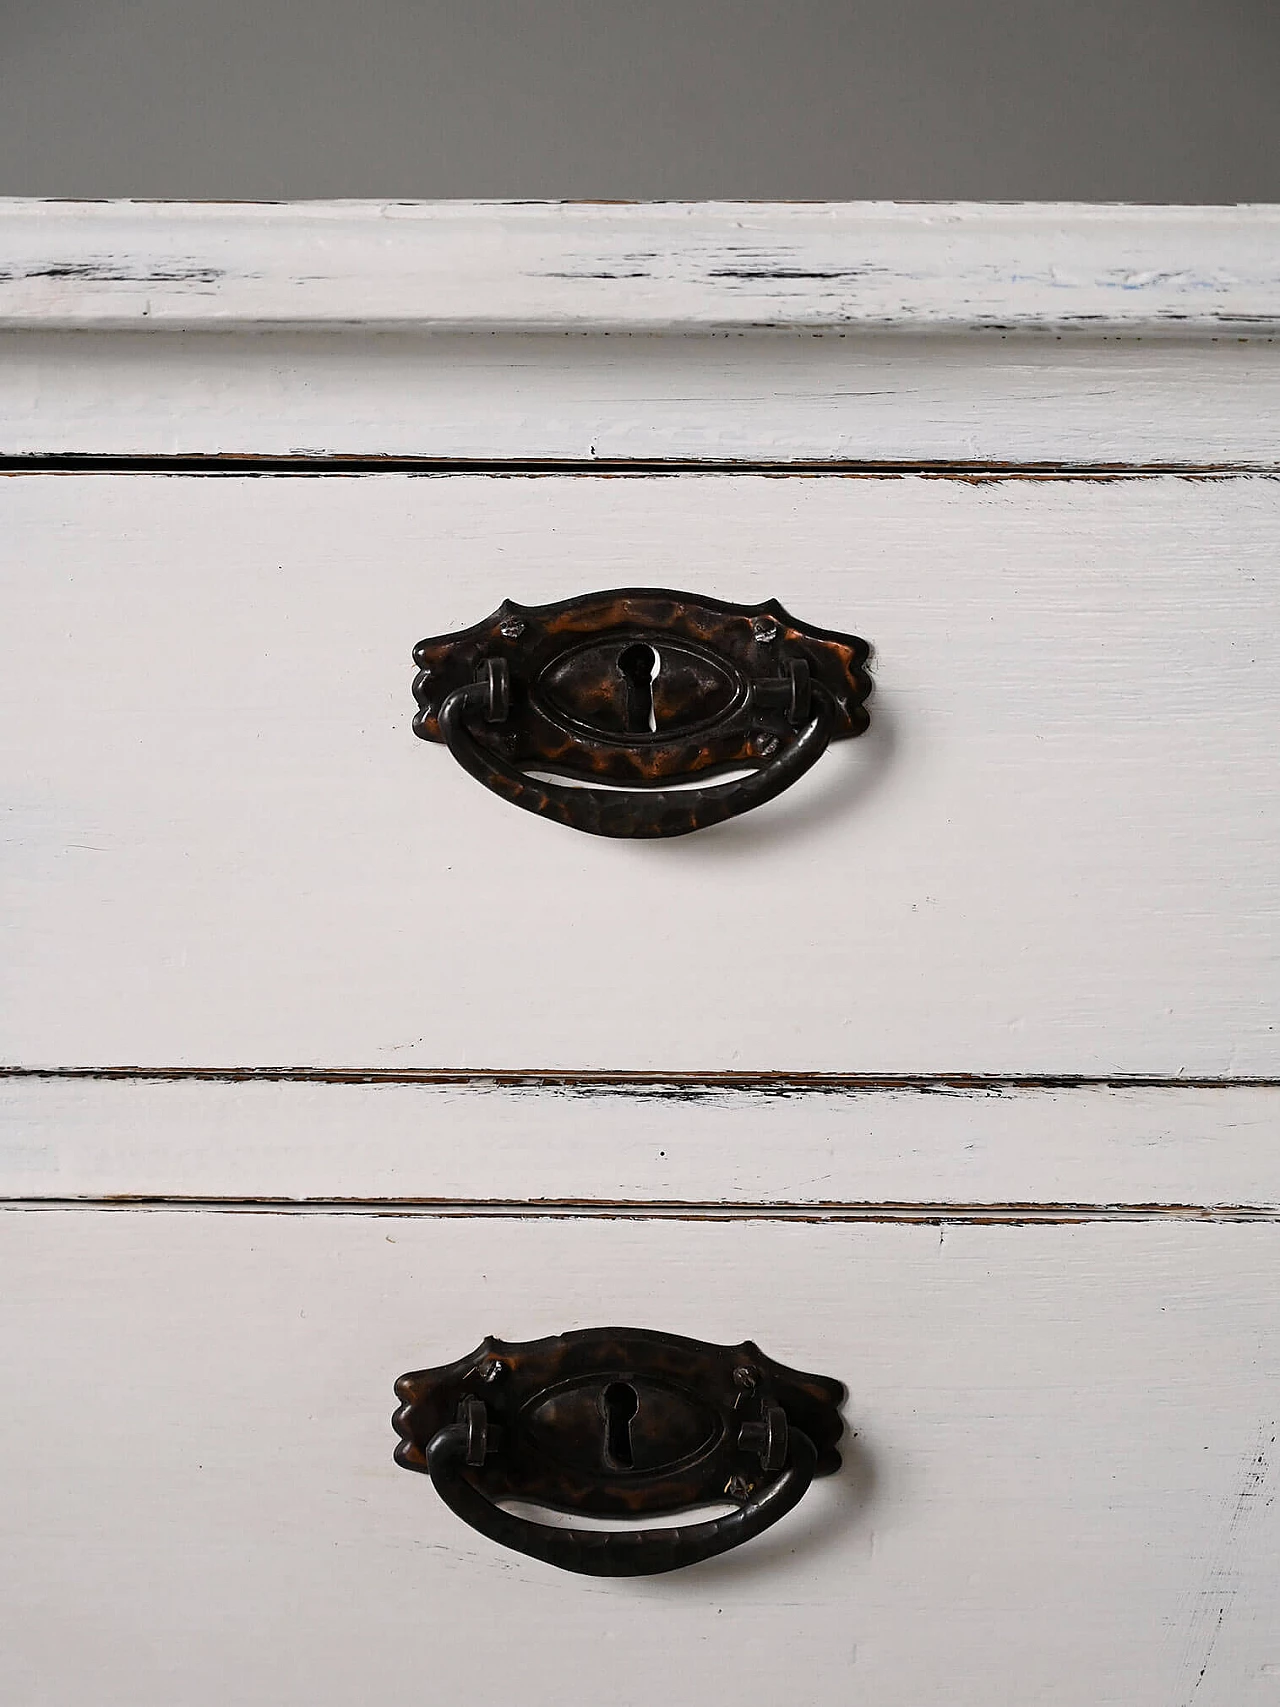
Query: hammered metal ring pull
[[640, 690], [622, 812], [604, 1552], [619, 1422]]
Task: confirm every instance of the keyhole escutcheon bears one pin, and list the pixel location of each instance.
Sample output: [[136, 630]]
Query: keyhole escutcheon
[[620, 1402], [639, 665]]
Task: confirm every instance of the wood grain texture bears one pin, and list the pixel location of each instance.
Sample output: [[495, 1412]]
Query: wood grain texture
[[565, 1149], [776, 397], [1054, 853], [659, 266], [1062, 1486]]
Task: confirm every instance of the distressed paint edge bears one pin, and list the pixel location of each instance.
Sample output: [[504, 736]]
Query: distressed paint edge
[[633, 1082], [588, 1209], [572, 267], [331, 465]]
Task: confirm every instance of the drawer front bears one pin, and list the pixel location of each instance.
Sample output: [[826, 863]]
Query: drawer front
[[1060, 1483], [1055, 851]]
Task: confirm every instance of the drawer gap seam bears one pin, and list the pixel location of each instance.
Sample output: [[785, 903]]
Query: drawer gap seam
[[908, 1213], [980, 470]]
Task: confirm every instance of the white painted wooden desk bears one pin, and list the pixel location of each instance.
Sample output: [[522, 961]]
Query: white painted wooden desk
[[954, 1073]]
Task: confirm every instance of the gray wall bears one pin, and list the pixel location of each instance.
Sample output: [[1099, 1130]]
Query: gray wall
[[1132, 100]]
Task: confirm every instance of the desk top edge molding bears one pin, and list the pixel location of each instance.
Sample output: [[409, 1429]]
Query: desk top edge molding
[[666, 267]]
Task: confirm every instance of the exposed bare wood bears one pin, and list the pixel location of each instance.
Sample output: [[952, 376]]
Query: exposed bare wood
[[907, 1214], [585, 1081]]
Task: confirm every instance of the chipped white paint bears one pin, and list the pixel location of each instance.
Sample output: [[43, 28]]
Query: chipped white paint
[[1054, 853], [1062, 1487], [1090, 1145], [654, 266], [1042, 333]]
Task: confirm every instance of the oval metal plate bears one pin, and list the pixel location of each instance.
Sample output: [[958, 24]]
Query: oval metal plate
[[642, 686], [572, 1439]]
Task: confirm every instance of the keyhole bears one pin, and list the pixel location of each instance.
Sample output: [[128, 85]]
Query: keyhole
[[640, 665], [620, 1404]]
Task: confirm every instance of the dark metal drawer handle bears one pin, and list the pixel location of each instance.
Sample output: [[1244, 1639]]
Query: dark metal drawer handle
[[641, 689], [610, 1553], [616, 1421], [613, 812]]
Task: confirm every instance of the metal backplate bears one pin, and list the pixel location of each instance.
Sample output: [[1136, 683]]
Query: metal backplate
[[618, 1421], [643, 686]]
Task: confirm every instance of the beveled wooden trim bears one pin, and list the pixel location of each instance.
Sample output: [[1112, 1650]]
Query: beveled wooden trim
[[625, 1145], [671, 266]]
